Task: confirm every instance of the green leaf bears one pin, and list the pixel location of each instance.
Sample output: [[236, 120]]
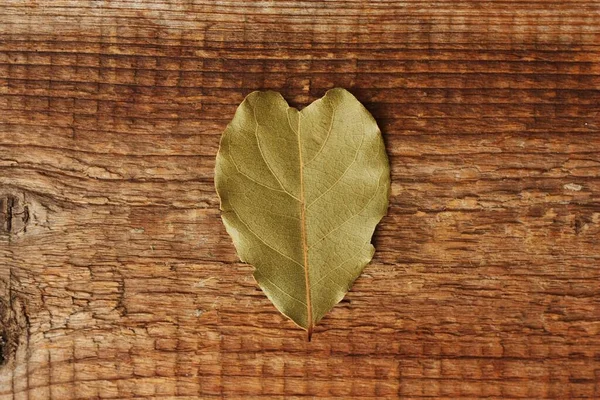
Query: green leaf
[[301, 193]]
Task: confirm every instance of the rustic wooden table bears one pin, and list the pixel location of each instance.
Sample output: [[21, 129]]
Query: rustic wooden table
[[118, 280]]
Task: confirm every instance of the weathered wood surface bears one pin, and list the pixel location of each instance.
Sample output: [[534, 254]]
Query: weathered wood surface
[[116, 274]]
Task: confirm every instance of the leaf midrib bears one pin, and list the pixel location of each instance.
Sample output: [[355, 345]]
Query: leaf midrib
[[309, 327]]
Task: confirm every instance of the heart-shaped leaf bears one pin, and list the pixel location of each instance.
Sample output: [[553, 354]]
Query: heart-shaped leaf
[[301, 193]]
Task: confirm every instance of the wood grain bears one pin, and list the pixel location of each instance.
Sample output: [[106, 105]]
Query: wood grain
[[118, 280]]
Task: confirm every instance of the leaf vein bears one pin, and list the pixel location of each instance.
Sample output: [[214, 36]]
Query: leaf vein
[[283, 291], [267, 210], [262, 154], [239, 171], [287, 114], [261, 239], [354, 216], [304, 240], [341, 176], [326, 138], [340, 266]]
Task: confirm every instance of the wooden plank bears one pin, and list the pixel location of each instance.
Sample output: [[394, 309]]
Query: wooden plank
[[118, 280]]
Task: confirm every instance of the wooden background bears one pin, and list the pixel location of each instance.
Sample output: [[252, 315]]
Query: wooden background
[[118, 280]]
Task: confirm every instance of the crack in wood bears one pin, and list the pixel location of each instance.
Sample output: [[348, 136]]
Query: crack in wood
[[13, 322], [3, 348], [10, 203]]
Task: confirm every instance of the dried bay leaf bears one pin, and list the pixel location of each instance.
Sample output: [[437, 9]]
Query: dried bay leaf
[[301, 193]]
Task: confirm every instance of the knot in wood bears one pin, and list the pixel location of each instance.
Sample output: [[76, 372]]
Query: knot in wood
[[14, 214]]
